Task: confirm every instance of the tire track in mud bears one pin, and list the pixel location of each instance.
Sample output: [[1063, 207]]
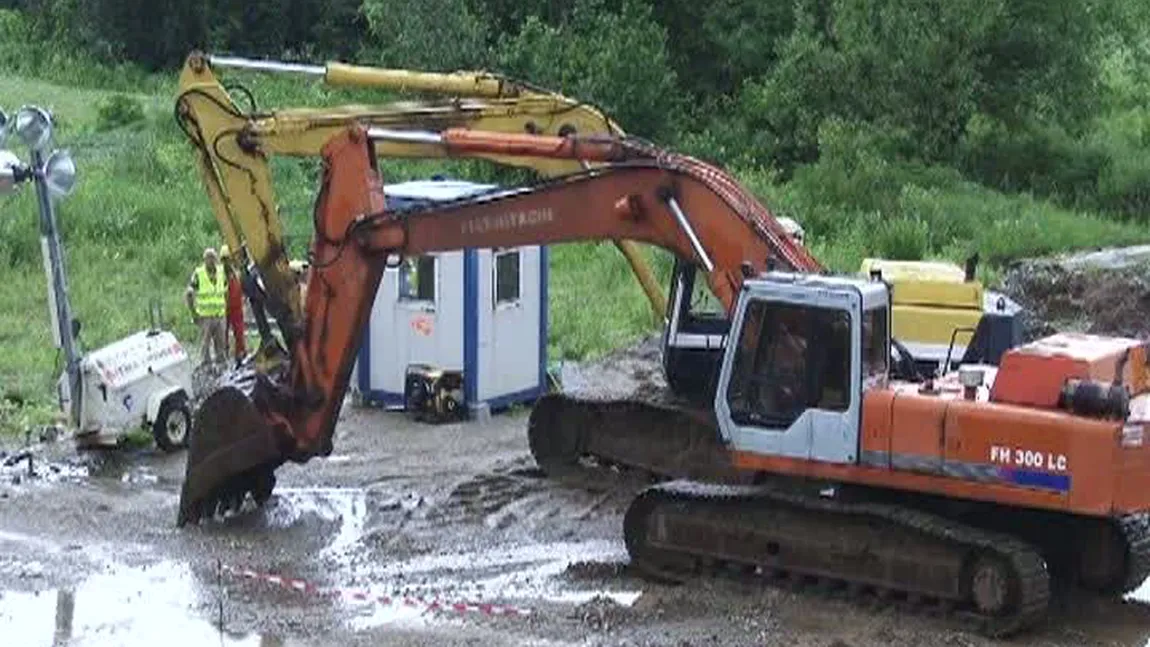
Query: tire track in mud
[[495, 536], [361, 595], [491, 499]]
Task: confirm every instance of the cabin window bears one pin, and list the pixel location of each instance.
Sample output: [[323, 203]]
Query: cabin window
[[703, 302], [789, 358], [417, 279], [507, 280], [698, 309]]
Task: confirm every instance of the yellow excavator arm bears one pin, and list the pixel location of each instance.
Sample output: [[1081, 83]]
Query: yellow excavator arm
[[233, 147], [336, 74]]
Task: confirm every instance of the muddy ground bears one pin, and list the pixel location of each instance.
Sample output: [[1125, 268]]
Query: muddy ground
[[90, 555]]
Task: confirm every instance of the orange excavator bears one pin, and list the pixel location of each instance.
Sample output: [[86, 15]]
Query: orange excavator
[[971, 490], [234, 151]]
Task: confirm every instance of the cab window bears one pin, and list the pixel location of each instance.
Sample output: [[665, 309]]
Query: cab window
[[790, 358], [700, 311], [703, 302], [875, 340]]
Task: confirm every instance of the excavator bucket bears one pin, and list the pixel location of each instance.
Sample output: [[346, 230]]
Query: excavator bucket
[[264, 414], [233, 452]]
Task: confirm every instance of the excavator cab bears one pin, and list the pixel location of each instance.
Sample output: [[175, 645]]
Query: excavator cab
[[803, 349]]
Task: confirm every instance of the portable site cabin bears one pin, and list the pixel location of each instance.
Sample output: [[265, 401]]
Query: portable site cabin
[[480, 311]]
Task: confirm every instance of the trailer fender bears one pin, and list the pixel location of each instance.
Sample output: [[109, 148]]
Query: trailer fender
[[156, 400]]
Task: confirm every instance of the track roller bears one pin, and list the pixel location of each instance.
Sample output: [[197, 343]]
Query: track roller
[[995, 584]]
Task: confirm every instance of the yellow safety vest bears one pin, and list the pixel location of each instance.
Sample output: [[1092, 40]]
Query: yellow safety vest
[[210, 298]]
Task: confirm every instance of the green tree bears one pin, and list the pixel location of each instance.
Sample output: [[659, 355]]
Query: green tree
[[506, 17], [714, 45], [156, 34], [443, 35], [617, 60], [923, 69]]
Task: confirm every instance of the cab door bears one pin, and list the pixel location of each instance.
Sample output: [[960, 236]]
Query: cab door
[[789, 386]]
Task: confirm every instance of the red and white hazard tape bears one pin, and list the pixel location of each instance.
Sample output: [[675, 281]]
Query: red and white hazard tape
[[361, 595]]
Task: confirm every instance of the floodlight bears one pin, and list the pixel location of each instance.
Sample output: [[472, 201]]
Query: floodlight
[[60, 173], [33, 127]]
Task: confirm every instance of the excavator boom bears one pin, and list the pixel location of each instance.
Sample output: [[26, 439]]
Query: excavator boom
[[233, 149], [636, 192]]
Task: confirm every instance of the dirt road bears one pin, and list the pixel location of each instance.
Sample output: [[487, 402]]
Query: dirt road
[[90, 555]]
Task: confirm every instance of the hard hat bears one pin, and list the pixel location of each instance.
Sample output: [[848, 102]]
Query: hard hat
[[209, 252], [297, 265], [225, 252]]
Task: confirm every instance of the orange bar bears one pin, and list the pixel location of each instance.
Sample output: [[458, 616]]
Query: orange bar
[[604, 149]]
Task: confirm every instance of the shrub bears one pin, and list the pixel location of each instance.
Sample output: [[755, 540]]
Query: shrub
[[615, 59], [118, 110], [901, 239], [1035, 157]]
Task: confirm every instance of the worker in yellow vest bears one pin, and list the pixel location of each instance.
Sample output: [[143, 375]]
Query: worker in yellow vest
[[207, 299]]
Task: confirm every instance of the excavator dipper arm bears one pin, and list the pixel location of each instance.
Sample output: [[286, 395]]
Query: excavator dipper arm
[[246, 429]]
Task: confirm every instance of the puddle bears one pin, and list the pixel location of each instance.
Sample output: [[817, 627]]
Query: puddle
[[375, 615], [141, 476], [127, 466], [345, 507], [1140, 594], [44, 464], [523, 576], [130, 606], [24, 467]]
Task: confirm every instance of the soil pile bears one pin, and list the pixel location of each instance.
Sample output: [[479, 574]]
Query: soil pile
[[1102, 292]]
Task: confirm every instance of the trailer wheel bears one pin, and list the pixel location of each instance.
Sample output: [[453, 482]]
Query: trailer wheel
[[172, 424]]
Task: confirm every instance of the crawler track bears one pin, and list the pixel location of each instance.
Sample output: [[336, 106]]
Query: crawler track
[[654, 435], [992, 583], [1136, 535]]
